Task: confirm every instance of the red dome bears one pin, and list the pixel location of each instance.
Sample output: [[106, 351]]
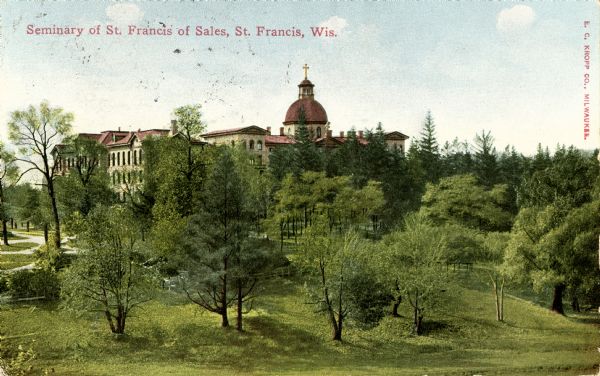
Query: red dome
[[313, 112]]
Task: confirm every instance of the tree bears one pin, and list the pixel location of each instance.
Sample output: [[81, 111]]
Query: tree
[[8, 175], [428, 149], [486, 161], [457, 158], [551, 247], [189, 126], [32, 206], [308, 156], [36, 132], [87, 182], [413, 260], [462, 200], [511, 169], [495, 243], [109, 273], [546, 199], [327, 259], [219, 250]]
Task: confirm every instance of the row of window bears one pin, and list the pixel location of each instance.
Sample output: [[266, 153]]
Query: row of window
[[251, 145], [118, 158], [136, 176]]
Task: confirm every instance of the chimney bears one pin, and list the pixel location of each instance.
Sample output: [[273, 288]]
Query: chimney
[[360, 134], [342, 134], [173, 127], [119, 129], [281, 132], [269, 130], [329, 133]]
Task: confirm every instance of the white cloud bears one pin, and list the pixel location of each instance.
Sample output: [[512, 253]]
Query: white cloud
[[335, 23], [124, 13], [515, 19]]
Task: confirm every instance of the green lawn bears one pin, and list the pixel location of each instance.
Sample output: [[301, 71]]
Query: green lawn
[[284, 337], [11, 247], [14, 261]]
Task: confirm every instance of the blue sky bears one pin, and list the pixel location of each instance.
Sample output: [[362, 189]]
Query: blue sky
[[515, 68]]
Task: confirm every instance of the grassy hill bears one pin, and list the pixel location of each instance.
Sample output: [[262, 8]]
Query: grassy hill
[[285, 337]]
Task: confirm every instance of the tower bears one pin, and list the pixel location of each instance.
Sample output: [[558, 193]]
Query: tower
[[315, 116]]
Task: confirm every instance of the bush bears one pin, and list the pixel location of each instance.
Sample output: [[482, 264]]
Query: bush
[[367, 298], [34, 283]]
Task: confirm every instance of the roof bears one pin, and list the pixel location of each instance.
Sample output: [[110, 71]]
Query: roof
[[306, 82], [314, 113], [279, 140], [395, 135], [253, 129]]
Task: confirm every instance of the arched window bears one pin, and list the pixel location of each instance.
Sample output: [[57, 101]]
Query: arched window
[[251, 143], [259, 145], [113, 176], [113, 158], [129, 177], [140, 156], [123, 157], [318, 132], [118, 178], [289, 131], [135, 157], [118, 159], [129, 157]]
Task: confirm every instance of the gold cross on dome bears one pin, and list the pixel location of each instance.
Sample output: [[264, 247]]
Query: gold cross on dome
[[305, 67]]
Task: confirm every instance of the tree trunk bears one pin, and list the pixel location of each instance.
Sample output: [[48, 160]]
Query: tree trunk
[[239, 307], [46, 233], [4, 232], [224, 318], [557, 304], [502, 300], [575, 303], [396, 306], [121, 316], [110, 321], [27, 226], [417, 316], [52, 195]]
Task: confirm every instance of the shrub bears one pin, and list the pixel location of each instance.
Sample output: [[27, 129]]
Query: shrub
[[34, 283]]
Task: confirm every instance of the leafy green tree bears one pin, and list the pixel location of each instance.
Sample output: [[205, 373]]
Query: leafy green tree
[[328, 260], [32, 206], [486, 160], [36, 131], [109, 273], [495, 244], [556, 248], [546, 200], [428, 150], [457, 158], [308, 156], [567, 182], [8, 175], [282, 162], [87, 183], [462, 200], [413, 261], [189, 127], [224, 257], [511, 169]]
